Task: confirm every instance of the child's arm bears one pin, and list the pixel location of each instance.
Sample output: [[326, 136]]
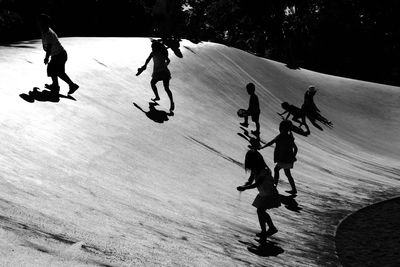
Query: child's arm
[[142, 68], [48, 51], [268, 144], [148, 60], [251, 186], [250, 180]]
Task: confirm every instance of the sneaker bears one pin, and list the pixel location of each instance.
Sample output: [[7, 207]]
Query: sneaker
[[52, 87], [292, 192], [261, 234], [244, 124], [72, 88], [271, 231], [55, 89]]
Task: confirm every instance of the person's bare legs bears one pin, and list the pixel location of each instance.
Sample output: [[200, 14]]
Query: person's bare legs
[[276, 174], [291, 181], [66, 79], [265, 218], [54, 80], [72, 86], [257, 127], [261, 220], [169, 93], [155, 91]]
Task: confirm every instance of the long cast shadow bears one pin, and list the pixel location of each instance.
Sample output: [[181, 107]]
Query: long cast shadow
[[43, 96], [159, 116]]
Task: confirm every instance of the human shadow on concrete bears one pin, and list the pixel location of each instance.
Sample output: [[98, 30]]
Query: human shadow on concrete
[[188, 48], [297, 115], [159, 116], [43, 96], [263, 248], [245, 134], [224, 156], [317, 117], [290, 203]]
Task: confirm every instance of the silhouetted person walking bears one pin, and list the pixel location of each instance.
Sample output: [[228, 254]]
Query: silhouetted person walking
[[161, 72], [284, 153], [253, 109], [267, 197], [56, 56]]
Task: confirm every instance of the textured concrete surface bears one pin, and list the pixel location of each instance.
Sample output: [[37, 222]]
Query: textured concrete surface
[[93, 181]]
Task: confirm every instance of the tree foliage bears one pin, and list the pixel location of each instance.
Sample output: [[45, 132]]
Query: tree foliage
[[354, 38]]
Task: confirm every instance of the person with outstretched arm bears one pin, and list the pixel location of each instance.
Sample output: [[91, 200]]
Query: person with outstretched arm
[[268, 196], [56, 56], [284, 154]]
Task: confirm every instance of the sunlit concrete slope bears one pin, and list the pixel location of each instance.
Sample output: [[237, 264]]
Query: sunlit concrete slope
[[94, 181]]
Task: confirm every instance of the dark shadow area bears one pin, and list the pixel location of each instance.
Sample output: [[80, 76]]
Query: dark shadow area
[[248, 137], [100, 63], [19, 46], [297, 115], [159, 116], [43, 96], [311, 111], [293, 65], [300, 131], [314, 118], [370, 236], [290, 203], [263, 248], [216, 152], [300, 115], [188, 48], [24, 44]]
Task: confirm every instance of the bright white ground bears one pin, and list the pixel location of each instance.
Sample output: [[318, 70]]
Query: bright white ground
[[96, 182]]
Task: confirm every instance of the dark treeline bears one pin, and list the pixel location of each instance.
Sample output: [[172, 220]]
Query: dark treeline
[[351, 38]]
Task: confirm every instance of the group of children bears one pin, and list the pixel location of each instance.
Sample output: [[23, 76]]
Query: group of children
[[284, 155], [261, 176], [56, 58]]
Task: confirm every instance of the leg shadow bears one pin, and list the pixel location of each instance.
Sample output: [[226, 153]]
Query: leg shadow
[[154, 114], [313, 122], [264, 248], [316, 116], [249, 138], [290, 203], [43, 96]]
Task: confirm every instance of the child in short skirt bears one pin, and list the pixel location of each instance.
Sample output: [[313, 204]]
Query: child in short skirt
[[284, 154], [268, 196]]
